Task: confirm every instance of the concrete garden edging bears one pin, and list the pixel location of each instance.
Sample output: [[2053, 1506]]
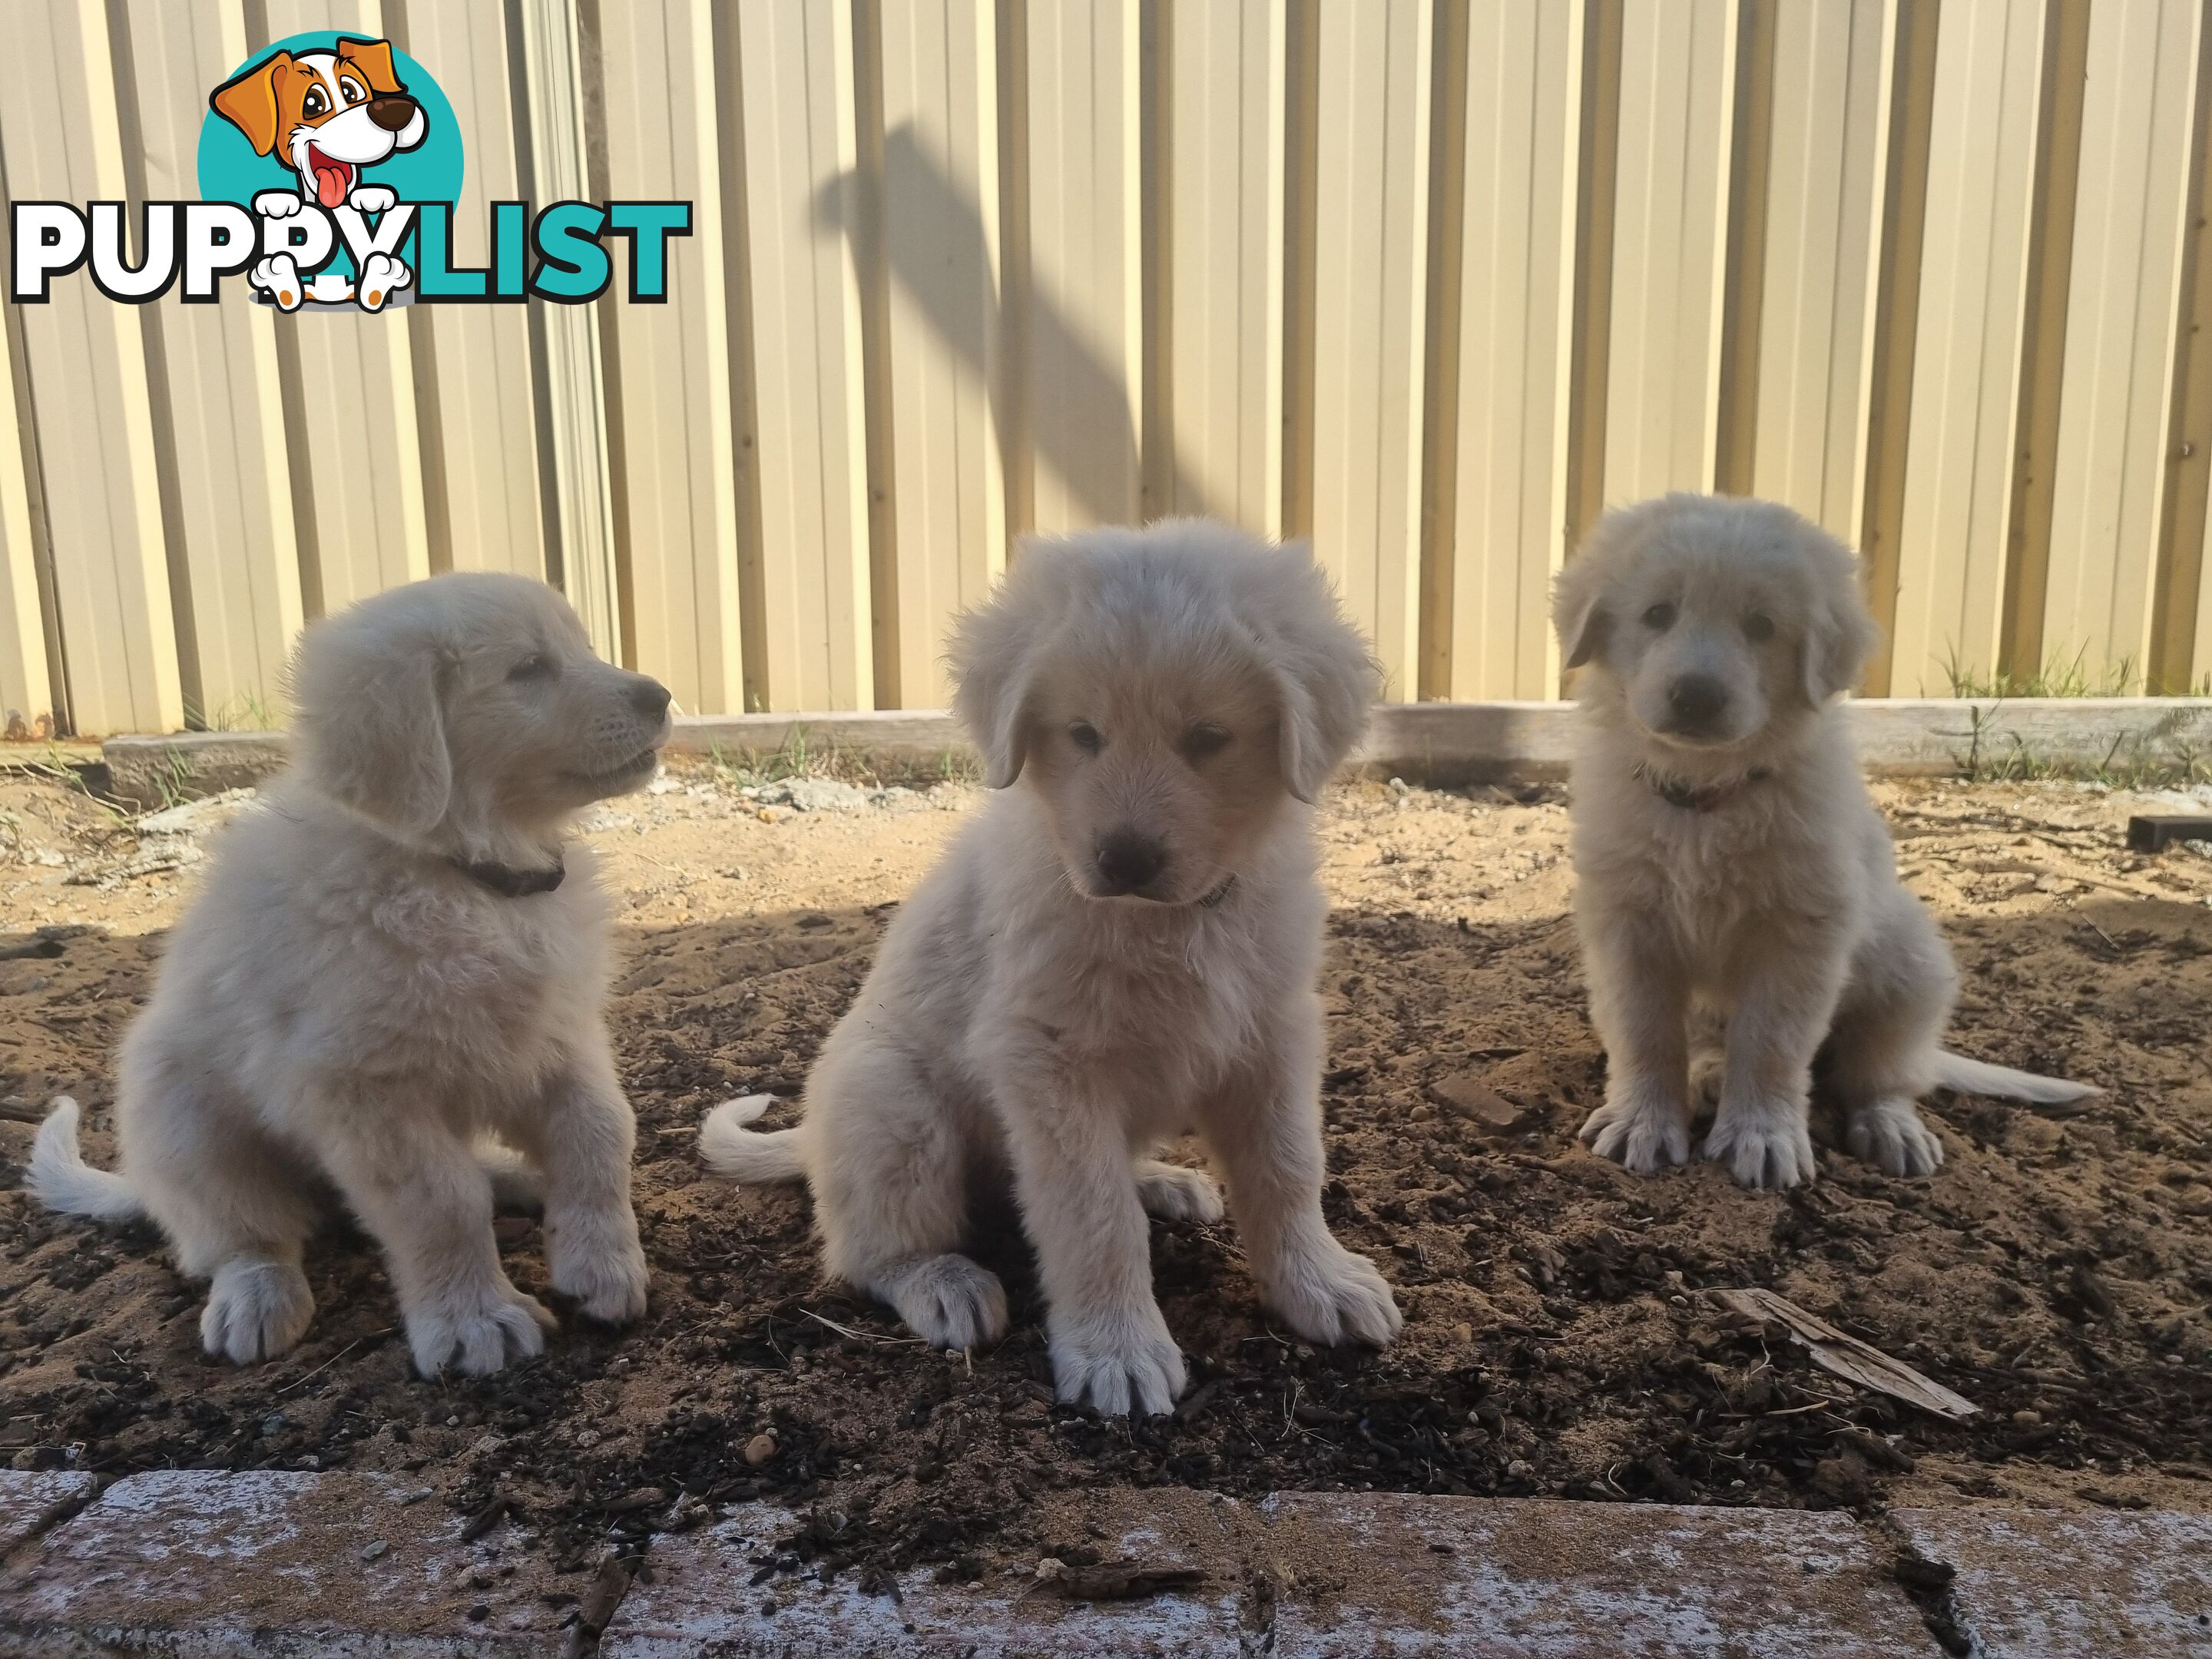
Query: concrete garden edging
[[186, 1563], [1440, 744]]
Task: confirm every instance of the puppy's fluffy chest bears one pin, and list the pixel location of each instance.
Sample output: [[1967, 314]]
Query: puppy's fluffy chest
[[1719, 880], [485, 993]]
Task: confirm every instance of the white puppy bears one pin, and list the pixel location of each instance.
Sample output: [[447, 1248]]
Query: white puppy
[[1123, 945], [1732, 871], [396, 959]]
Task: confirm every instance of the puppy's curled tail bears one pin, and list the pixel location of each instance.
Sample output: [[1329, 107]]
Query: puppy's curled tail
[[62, 1180], [751, 1155], [1978, 1077]]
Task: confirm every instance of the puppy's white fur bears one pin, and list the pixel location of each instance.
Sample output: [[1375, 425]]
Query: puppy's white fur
[[343, 1006], [1190, 688], [1757, 915]]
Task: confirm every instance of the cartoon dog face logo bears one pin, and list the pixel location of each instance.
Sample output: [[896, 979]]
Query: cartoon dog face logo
[[330, 114]]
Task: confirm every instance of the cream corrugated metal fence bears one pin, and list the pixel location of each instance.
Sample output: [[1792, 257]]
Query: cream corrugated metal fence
[[1433, 281]]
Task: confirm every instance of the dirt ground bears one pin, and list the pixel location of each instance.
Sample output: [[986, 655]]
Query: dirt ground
[[2056, 1271]]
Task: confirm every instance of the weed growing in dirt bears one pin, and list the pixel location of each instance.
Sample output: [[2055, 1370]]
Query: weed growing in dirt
[[2059, 677], [2169, 752], [54, 764], [801, 757], [248, 711]]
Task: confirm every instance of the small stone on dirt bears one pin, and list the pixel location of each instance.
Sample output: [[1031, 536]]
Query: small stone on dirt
[[1467, 1096], [760, 1448]]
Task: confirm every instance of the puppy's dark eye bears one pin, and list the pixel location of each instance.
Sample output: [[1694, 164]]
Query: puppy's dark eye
[[1660, 617], [1204, 739], [535, 666], [352, 91], [1084, 736], [1758, 627], [314, 103]]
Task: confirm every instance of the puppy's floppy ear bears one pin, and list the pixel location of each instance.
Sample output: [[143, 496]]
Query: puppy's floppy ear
[[1840, 632], [373, 59], [1325, 680], [1581, 620], [370, 720], [992, 651], [248, 102]]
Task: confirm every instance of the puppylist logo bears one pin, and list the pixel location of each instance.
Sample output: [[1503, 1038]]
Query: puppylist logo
[[329, 168]]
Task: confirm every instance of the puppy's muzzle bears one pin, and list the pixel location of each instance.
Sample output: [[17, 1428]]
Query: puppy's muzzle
[[392, 111], [1695, 704], [1128, 862], [650, 698]]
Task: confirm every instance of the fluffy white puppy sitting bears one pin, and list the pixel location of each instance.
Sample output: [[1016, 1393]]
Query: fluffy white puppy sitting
[[1732, 875], [398, 959], [1124, 944]]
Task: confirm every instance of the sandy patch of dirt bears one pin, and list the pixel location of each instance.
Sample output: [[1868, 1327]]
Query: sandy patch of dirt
[[2056, 1271]]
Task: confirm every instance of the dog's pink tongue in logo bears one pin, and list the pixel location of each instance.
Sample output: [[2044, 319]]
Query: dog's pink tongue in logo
[[329, 176]]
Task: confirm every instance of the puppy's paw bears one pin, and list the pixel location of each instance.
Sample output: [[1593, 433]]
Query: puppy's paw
[[276, 203], [1708, 1072], [371, 199], [598, 1263], [1178, 1195], [948, 1301], [1890, 1135], [278, 276], [1639, 1134], [1764, 1149], [1332, 1295], [256, 1310], [1118, 1363], [381, 277], [480, 1338]]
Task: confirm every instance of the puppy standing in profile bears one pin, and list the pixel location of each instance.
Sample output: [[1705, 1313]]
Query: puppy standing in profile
[[1123, 945], [1734, 877], [392, 984]]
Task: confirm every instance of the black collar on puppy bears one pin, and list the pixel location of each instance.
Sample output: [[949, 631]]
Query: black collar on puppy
[[1700, 797], [508, 882], [1215, 899]]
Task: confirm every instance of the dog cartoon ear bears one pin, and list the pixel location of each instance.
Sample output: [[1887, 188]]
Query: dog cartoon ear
[[370, 716], [248, 101], [1326, 679], [374, 58], [1840, 632]]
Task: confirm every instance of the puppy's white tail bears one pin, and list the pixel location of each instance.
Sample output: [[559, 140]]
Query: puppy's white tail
[[1978, 1077], [748, 1155], [62, 1179]]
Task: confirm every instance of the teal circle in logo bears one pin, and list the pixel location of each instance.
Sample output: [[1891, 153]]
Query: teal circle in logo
[[231, 171]]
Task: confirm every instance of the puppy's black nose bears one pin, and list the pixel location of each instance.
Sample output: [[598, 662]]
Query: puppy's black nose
[[390, 111], [1697, 699], [1127, 861], [650, 698]]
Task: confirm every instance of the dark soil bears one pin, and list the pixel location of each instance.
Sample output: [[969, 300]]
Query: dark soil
[[2056, 1271]]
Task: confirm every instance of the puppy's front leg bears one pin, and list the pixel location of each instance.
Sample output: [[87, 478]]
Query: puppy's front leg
[[419, 1189], [1639, 1002], [581, 1136], [1786, 1004], [1266, 1130], [1068, 1138]]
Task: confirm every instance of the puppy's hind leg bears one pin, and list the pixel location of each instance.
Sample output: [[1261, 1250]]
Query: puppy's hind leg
[[888, 1165], [1885, 1041], [236, 1209], [1174, 1193]]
